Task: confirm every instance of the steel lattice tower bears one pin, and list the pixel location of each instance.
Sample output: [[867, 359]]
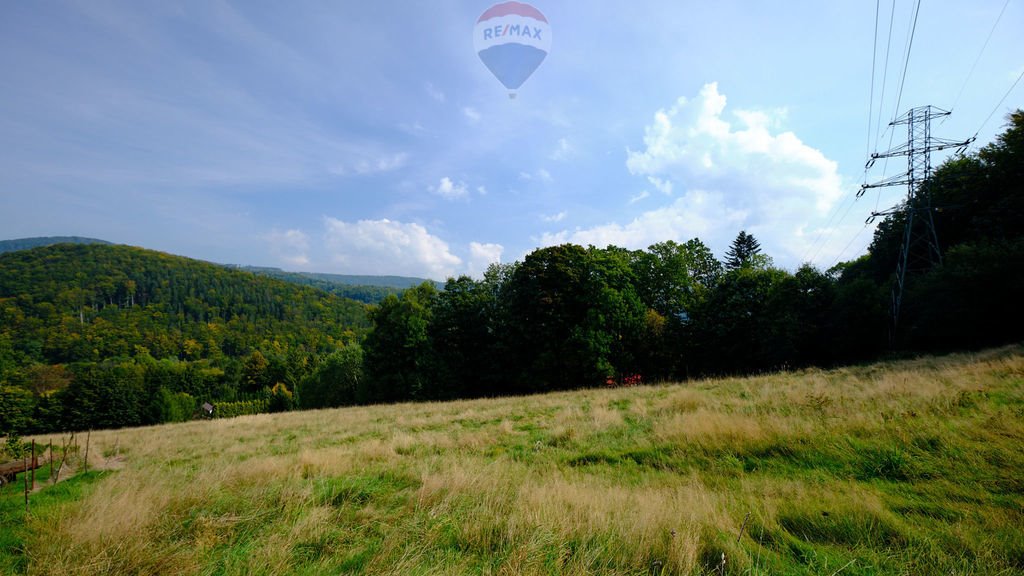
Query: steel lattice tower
[[920, 249]]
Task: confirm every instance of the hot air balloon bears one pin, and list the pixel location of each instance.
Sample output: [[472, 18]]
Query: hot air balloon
[[512, 39]]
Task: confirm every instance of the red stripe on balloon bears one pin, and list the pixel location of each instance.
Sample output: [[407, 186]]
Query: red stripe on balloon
[[514, 9]]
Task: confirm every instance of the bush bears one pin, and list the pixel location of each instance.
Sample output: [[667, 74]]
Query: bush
[[16, 406], [245, 407], [280, 398], [14, 448]]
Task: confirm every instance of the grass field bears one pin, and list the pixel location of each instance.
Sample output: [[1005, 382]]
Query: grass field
[[913, 467]]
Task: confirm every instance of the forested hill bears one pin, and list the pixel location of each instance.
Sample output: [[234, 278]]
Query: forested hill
[[90, 302], [368, 289], [29, 243]]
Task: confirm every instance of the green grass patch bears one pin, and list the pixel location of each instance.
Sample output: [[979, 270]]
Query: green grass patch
[[387, 488], [44, 505]]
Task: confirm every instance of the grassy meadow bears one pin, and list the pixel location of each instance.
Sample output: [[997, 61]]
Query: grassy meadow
[[910, 467]]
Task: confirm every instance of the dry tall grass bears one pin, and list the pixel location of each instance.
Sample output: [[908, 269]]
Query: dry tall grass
[[905, 468]]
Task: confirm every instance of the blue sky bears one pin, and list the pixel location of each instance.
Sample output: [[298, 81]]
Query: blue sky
[[368, 138]]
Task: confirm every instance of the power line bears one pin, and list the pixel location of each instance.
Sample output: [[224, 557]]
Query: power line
[[885, 73], [978, 59], [906, 60], [824, 243], [825, 233], [903, 80], [1001, 100], [818, 243], [848, 244], [871, 98]]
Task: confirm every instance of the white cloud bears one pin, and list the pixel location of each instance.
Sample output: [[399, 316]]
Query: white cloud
[[481, 190], [554, 217], [381, 164], [541, 174], [435, 93], [696, 214], [562, 151], [639, 197], [414, 128], [449, 189], [736, 173], [663, 186], [388, 247], [471, 113], [291, 247], [481, 256]]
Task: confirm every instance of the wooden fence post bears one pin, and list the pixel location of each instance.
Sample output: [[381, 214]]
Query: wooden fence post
[[26, 485], [50, 451], [87, 436], [64, 445], [33, 464]]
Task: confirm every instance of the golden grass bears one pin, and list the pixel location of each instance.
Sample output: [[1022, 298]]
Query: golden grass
[[907, 467]]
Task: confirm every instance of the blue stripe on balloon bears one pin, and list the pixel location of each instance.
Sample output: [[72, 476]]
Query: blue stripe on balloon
[[512, 63]]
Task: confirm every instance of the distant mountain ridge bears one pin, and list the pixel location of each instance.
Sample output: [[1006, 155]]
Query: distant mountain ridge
[[367, 289], [400, 282], [38, 241]]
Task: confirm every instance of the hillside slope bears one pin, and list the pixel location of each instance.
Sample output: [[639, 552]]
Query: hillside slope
[[72, 303], [368, 289], [912, 467]]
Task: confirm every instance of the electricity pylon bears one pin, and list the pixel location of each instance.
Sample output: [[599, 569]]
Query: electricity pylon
[[920, 248]]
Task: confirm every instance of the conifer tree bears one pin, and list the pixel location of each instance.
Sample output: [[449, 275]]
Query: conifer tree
[[743, 249]]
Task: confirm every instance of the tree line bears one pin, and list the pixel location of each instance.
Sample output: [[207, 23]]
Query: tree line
[[569, 316], [95, 336]]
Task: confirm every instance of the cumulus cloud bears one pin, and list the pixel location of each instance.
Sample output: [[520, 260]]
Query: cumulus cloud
[[471, 113], [481, 256], [449, 189], [697, 214], [291, 247], [554, 217], [728, 173], [388, 247]]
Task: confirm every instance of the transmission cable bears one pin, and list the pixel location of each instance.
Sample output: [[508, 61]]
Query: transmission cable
[[1001, 100], [906, 61], [978, 58], [867, 147], [903, 80], [871, 98], [842, 218], [885, 73]]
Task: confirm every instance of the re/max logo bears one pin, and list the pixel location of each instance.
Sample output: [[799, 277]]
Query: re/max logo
[[511, 30]]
